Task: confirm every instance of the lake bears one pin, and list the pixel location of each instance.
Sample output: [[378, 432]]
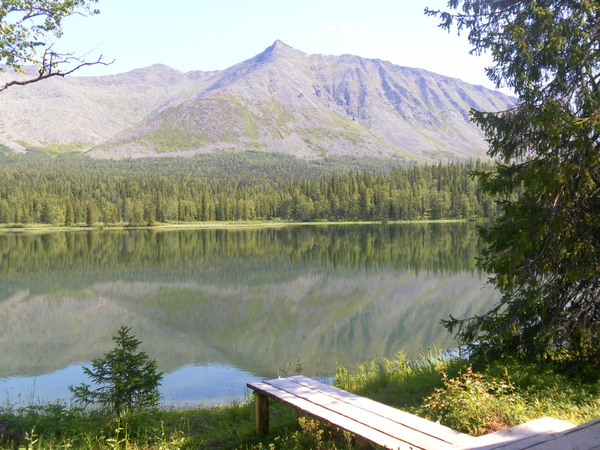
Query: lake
[[218, 308]]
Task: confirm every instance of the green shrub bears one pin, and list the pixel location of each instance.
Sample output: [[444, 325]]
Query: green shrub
[[400, 382], [475, 405]]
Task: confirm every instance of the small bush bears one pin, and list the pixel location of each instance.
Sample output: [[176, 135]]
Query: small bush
[[474, 405]]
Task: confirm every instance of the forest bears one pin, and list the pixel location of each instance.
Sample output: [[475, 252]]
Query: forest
[[72, 189]]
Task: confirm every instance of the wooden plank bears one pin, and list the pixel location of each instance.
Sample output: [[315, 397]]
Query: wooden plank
[[386, 426], [555, 427], [425, 426], [520, 436], [375, 421], [378, 422], [331, 417], [583, 437]]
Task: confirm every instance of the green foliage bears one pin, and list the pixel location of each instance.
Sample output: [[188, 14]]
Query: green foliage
[[512, 389], [72, 189], [91, 216], [28, 26], [543, 251], [560, 390], [400, 382], [127, 381], [230, 426], [474, 405], [313, 434], [57, 427], [69, 218], [26, 422], [477, 396]]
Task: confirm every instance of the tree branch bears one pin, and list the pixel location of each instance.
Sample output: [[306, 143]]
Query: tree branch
[[49, 68], [502, 4]]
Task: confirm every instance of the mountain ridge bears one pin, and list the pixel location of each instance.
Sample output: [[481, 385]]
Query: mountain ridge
[[281, 100]]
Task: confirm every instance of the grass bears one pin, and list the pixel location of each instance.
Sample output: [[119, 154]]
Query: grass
[[469, 396], [231, 426], [57, 149], [482, 396]]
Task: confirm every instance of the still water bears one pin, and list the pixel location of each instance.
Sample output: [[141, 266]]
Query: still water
[[220, 308]]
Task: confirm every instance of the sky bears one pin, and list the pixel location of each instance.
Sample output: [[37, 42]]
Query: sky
[[213, 35]]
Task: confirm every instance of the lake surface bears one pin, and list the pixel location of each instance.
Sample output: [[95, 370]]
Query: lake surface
[[220, 308]]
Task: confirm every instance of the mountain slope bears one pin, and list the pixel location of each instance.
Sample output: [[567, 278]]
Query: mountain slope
[[79, 112], [282, 100]]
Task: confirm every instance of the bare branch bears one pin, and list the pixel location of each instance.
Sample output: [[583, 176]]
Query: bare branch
[[49, 69]]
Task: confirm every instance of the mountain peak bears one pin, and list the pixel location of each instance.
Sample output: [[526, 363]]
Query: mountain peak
[[281, 100], [279, 45], [278, 49]]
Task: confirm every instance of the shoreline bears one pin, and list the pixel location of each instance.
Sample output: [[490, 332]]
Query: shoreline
[[48, 228], [470, 396]]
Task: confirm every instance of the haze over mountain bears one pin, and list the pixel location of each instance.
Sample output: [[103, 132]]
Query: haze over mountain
[[282, 100]]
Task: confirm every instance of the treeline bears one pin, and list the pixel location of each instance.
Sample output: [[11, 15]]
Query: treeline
[[224, 256], [74, 190]]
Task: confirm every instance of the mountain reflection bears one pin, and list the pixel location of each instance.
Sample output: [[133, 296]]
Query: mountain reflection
[[258, 299]]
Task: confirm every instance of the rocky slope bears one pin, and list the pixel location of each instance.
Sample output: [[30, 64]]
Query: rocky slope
[[282, 100], [80, 112]]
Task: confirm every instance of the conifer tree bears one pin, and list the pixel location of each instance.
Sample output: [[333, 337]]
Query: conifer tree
[[69, 218], [543, 251], [45, 213], [91, 214], [128, 381]]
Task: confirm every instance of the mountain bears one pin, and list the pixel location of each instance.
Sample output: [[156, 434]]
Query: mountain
[[80, 112], [282, 100]]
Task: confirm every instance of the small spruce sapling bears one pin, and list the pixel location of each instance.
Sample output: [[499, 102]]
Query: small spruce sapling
[[127, 381]]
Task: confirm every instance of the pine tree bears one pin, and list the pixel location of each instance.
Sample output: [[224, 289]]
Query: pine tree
[[91, 214], [45, 213], [150, 217], [4, 212], [69, 218], [128, 381]]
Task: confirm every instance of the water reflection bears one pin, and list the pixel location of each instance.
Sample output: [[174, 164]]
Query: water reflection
[[246, 302]]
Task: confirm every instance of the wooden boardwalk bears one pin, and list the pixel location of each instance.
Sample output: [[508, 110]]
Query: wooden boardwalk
[[377, 424]]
